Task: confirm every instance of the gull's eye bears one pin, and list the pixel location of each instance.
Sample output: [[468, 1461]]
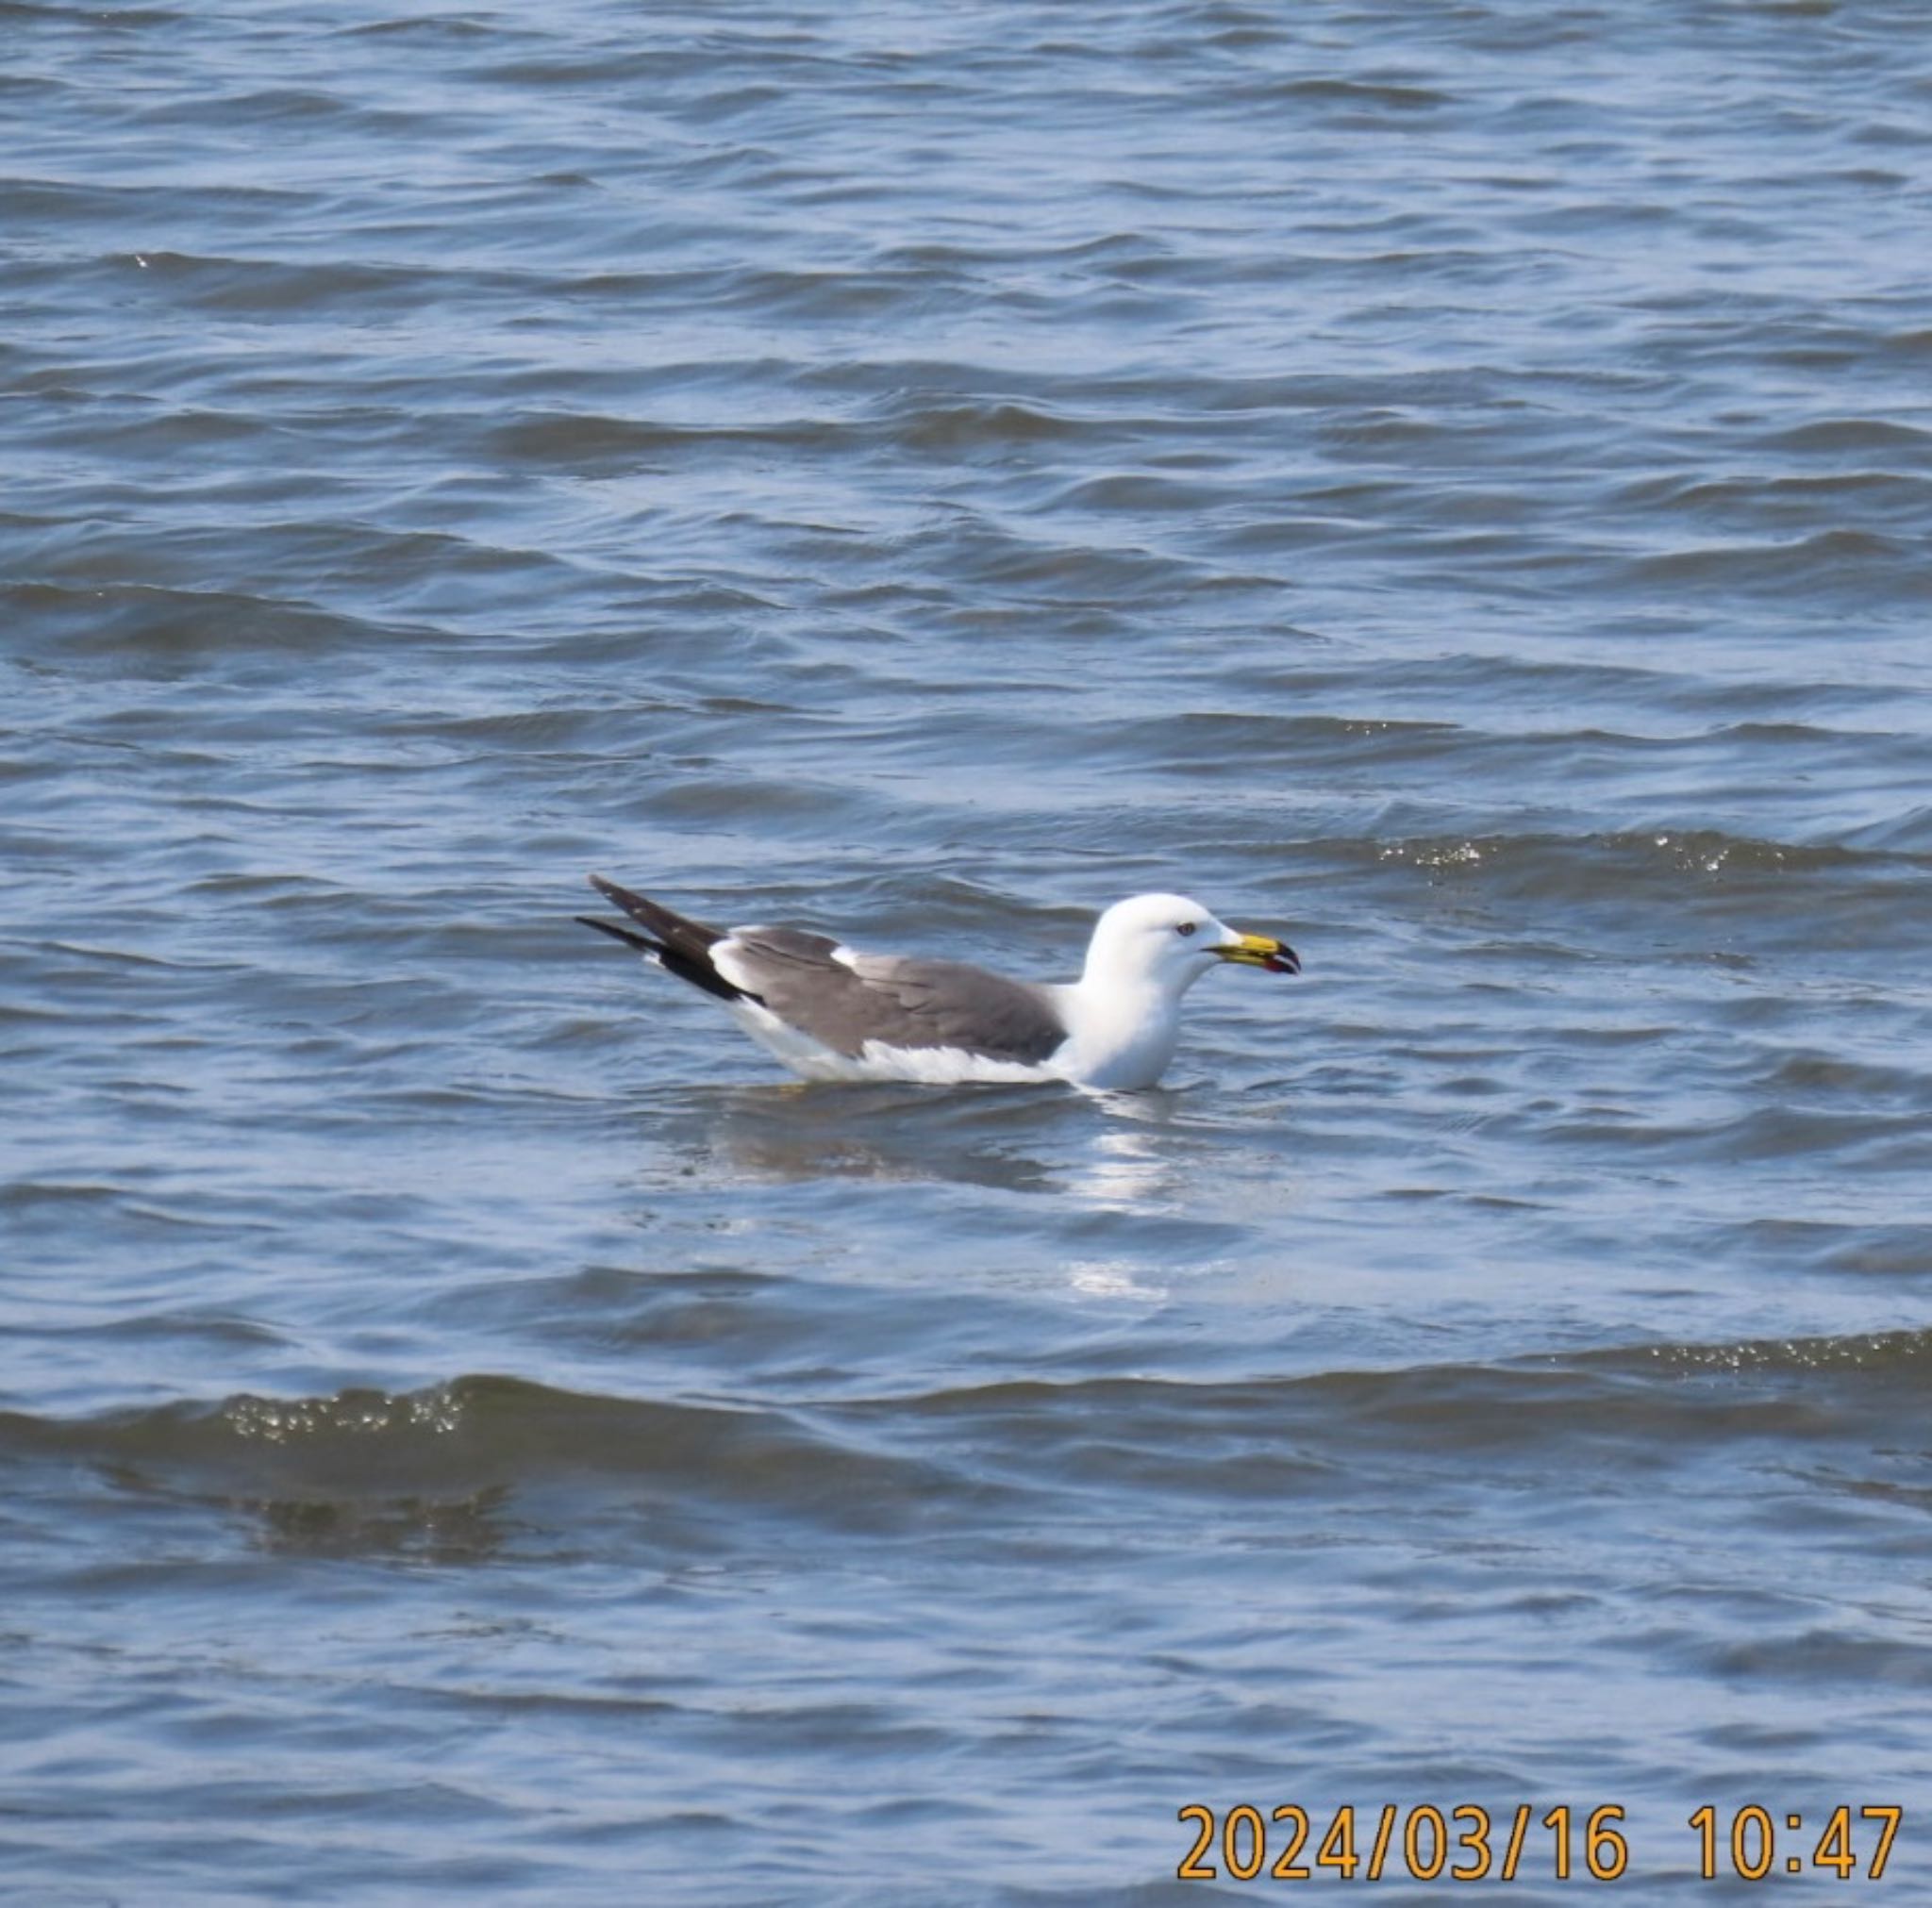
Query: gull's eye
[[1184, 927]]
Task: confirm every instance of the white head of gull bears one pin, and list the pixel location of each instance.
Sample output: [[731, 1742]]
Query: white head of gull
[[1123, 1014], [830, 1012]]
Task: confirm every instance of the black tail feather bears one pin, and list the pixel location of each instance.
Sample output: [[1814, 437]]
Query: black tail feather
[[679, 946], [675, 930]]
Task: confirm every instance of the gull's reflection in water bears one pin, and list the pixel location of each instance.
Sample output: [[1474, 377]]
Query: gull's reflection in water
[[1110, 1200], [1132, 1164], [1110, 1153], [796, 1132], [1125, 1172]]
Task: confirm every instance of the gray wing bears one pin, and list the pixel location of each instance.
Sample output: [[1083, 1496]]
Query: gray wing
[[898, 1002]]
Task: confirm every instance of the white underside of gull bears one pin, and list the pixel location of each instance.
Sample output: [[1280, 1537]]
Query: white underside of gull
[[1118, 1041], [1120, 1038]]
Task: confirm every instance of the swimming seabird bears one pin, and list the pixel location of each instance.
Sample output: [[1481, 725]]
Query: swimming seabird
[[831, 1013]]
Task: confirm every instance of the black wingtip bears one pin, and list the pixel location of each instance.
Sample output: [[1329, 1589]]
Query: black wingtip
[[616, 896]]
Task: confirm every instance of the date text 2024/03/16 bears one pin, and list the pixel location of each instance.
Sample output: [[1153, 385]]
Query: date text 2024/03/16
[[1470, 1843]]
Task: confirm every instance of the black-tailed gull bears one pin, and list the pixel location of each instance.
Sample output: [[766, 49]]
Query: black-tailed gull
[[831, 1013]]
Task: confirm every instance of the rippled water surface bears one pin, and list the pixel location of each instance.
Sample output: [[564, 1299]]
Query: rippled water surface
[[1450, 485]]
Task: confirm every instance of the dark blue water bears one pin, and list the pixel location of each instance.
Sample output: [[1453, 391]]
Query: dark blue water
[[1450, 486]]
